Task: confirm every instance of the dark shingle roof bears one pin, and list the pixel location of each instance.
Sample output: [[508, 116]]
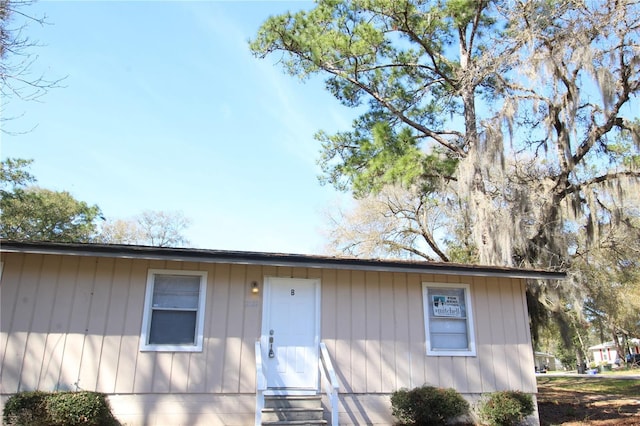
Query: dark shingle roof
[[271, 259]]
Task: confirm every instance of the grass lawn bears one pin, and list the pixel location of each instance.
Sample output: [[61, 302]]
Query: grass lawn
[[603, 384], [602, 400]]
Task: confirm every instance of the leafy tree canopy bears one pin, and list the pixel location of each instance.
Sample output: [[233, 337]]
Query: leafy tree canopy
[[30, 213], [522, 116], [519, 103]]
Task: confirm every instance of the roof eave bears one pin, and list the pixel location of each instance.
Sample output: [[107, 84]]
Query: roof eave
[[272, 259]]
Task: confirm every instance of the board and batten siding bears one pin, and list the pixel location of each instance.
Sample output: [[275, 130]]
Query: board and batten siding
[[73, 322], [372, 323]]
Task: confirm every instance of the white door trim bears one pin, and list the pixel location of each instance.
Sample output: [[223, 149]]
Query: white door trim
[[264, 333]]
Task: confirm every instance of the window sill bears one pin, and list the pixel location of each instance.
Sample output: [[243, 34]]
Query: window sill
[[170, 348], [471, 353]]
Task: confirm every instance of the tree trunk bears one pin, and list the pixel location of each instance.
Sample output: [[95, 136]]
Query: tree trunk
[[619, 347]]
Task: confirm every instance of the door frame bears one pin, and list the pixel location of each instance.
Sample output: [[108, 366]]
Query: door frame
[[264, 329]]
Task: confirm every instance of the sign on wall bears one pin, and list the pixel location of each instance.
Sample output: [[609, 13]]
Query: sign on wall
[[446, 306]]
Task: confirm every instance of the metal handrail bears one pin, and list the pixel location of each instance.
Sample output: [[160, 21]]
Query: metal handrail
[[261, 384], [333, 386]]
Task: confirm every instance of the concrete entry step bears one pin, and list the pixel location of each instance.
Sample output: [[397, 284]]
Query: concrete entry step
[[293, 410], [292, 401]]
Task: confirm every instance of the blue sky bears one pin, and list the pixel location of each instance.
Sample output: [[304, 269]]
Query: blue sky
[[164, 108]]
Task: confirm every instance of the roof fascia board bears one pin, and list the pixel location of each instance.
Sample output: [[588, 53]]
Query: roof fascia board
[[283, 260]]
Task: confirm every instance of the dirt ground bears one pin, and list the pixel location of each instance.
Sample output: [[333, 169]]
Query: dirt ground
[[576, 409]]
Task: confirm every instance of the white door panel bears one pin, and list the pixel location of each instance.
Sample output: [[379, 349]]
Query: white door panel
[[290, 333]]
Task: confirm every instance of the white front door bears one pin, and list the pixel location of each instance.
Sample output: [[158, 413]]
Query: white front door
[[290, 333]]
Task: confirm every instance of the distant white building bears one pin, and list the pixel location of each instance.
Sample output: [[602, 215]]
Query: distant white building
[[606, 352], [545, 361]]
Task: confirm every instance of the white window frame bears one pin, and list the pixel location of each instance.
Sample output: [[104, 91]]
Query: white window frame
[[471, 349], [200, 314]]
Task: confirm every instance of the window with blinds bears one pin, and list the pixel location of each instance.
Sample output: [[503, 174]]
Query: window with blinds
[[448, 319], [174, 311]]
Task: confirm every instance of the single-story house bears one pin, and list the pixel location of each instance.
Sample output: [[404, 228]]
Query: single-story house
[[546, 362], [189, 336], [607, 352]]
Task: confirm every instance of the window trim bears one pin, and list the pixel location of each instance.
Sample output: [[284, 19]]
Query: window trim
[[471, 350], [200, 313]]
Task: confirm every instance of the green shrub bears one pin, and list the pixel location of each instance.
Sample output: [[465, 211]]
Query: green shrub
[[26, 409], [506, 408], [79, 408], [427, 405], [58, 409]]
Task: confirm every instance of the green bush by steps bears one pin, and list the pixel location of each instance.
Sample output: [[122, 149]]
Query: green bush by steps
[[58, 409], [427, 405], [505, 408]]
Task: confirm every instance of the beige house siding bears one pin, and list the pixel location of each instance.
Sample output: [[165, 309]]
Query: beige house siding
[[73, 322], [373, 326]]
